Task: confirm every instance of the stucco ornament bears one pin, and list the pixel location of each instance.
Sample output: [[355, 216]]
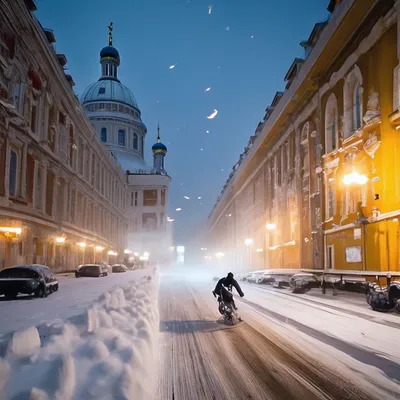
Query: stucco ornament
[[373, 110], [372, 144]]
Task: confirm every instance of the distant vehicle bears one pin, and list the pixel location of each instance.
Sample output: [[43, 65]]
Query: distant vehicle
[[35, 279], [91, 270], [303, 282], [119, 268]]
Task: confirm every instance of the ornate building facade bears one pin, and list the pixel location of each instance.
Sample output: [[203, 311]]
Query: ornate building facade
[[318, 185], [116, 118], [62, 194]]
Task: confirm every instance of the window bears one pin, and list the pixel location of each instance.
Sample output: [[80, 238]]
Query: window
[[103, 135], [149, 198], [352, 101], [149, 221], [81, 156], [72, 145], [12, 185], [357, 108], [120, 108], [135, 141], [141, 145], [102, 90], [61, 118], [330, 198], [163, 197], [330, 256], [33, 117], [121, 137], [93, 172], [134, 199], [331, 124], [278, 166]]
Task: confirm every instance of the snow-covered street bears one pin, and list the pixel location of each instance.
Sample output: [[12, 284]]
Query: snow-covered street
[[103, 338], [290, 346]]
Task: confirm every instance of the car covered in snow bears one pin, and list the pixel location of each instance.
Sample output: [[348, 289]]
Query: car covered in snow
[[119, 268], [91, 270], [35, 279]]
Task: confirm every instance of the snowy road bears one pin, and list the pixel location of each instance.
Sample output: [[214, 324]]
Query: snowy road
[[290, 347]]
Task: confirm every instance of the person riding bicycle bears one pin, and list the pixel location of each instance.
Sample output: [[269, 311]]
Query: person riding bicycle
[[226, 294]]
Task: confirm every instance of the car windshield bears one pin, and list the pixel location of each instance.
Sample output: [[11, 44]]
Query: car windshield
[[18, 273]]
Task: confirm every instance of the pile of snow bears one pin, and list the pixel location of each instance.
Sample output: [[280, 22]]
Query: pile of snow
[[111, 354]]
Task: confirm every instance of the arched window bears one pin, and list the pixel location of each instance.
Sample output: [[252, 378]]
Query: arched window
[[353, 100], [103, 135], [357, 108], [141, 145], [12, 182], [331, 124], [135, 141], [121, 137]]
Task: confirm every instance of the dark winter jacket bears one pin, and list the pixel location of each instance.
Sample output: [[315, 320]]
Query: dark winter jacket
[[228, 283]]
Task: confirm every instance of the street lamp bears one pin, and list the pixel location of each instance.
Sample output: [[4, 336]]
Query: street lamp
[[270, 227], [99, 248], [355, 177], [60, 239], [127, 251], [81, 244], [248, 242]]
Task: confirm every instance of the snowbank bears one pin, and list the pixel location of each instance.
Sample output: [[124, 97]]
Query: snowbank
[[110, 353]]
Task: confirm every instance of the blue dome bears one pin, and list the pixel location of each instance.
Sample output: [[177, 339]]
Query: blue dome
[[159, 147], [109, 51], [109, 90]]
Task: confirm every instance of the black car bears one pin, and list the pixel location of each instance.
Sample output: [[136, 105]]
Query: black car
[[119, 268], [91, 270], [35, 279]]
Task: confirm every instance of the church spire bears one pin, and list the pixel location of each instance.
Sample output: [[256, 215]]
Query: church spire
[[109, 58], [110, 29], [159, 153]]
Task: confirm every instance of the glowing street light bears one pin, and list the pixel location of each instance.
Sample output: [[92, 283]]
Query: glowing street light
[[259, 250], [248, 242], [271, 227], [81, 244], [178, 209], [219, 254], [6, 229], [112, 253], [356, 178], [99, 248], [203, 249], [60, 239], [127, 251]]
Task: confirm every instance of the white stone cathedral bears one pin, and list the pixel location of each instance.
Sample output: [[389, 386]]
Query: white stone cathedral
[[116, 117]]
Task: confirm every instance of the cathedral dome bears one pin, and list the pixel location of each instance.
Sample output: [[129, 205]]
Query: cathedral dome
[[159, 148], [109, 90], [109, 51]]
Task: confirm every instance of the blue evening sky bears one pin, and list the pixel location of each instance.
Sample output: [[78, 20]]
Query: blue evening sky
[[210, 50]]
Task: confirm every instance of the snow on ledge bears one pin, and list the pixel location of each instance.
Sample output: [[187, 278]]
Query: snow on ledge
[[112, 353]]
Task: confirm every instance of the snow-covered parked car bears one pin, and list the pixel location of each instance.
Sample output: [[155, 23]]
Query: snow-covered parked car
[[91, 270], [119, 268], [35, 279], [303, 282]]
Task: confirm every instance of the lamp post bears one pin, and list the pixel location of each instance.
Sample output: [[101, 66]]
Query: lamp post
[[270, 227], [355, 178]]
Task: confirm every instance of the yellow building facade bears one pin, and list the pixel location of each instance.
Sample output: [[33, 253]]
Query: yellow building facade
[[318, 184]]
